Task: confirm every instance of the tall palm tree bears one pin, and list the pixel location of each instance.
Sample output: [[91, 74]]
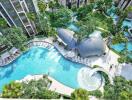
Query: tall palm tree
[[51, 5], [3, 23]]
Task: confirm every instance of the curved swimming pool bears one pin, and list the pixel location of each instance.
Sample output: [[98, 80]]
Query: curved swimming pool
[[42, 61]]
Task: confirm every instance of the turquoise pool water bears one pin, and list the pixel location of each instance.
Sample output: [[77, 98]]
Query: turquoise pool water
[[73, 27], [121, 46], [42, 61]]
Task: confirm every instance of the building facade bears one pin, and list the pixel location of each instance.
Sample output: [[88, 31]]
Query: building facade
[[123, 3], [71, 3], [15, 14]]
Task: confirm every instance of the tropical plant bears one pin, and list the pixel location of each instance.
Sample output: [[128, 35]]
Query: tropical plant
[[61, 17], [15, 36], [51, 5], [4, 41], [83, 11], [86, 27], [34, 89], [96, 66], [119, 38], [103, 5], [12, 90], [96, 93], [41, 5], [121, 90], [80, 94], [122, 59], [48, 94], [3, 23], [31, 16], [38, 89], [44, 23]]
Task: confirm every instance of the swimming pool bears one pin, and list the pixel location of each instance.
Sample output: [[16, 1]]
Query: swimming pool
[[119, 47], [43, 61]]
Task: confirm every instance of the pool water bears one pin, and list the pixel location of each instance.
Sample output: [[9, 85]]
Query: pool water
[[121, 46], [41, 61], [73, 27]]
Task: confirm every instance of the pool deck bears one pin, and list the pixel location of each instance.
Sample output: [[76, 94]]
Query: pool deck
[[105, 62], [60, 88], [108, 62]]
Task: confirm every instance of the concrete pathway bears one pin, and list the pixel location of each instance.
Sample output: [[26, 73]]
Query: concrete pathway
[[60, 88]]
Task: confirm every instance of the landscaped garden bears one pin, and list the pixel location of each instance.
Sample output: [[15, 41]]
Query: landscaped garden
[[83, 21], [121, 90]]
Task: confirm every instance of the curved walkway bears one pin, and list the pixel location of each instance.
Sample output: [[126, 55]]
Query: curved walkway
[[103, 70], [59, 87]]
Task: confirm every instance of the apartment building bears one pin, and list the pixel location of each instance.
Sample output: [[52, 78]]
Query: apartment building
[[124, 3], [71, 3], [15, 14]]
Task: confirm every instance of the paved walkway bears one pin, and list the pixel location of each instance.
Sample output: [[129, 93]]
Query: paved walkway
[[60, 88]]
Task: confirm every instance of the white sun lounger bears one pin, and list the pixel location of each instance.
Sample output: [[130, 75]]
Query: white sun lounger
[[1, 62]]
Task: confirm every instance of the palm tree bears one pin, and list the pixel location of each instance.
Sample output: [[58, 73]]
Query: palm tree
[[31, 16], [41, 5], [44, 23], [15, 36], [80, 94], [51, 5], [12, 90], [3, 23], [4, 41]]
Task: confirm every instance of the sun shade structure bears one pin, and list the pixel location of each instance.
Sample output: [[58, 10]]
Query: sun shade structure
[[92, 46], [67, 37]]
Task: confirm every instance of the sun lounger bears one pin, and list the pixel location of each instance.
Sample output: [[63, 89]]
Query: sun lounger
[[1, 62]]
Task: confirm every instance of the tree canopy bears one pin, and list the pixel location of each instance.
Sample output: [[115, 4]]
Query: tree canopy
[[34, 89], [61, 17], [121, 90], [15, 36]]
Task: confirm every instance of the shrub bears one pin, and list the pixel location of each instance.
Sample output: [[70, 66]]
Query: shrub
[[80, 94], [36, 89], [95, 66], [96, 93], [12, 90]]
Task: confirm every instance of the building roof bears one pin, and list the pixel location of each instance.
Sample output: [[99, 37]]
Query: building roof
[[67, 37], [92, 46]]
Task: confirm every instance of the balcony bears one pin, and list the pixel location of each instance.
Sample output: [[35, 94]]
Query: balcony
[[24, 18], [17, 5], [31, 32]]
